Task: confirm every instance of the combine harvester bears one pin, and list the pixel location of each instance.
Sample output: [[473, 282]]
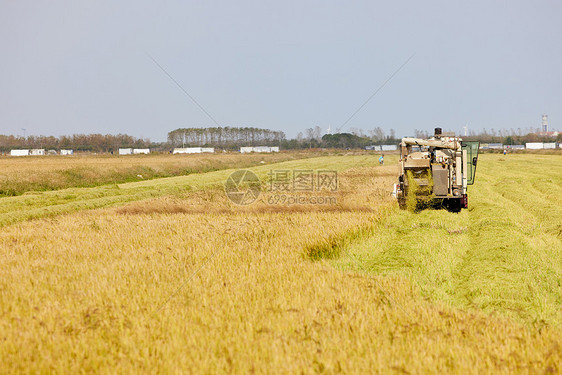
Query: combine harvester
[[435, 172]]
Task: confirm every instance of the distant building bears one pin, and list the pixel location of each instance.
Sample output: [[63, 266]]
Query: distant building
[[37, 152], [382, 148], [259, 149], [141, 151], [262, 149], [194, 150], [389, 147], [19, 152], [187, 150], [491, 146], [67, 152], [544, 129], [552, 134], [125, 151], [534, 145]]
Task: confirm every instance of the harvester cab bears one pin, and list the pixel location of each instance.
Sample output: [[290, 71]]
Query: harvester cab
[[435, 172]]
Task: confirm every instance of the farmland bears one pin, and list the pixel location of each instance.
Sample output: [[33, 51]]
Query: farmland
[[43, 173], [168, 275]]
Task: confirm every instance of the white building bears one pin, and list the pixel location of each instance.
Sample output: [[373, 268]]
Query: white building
[[389, 147], [187, 150], [534, 145], [193, 150], [549, 145], [262, 149], [382, 148], [125, 151], [37, 152], [19, 152], [259, 149], [66, 152], [141, 151]]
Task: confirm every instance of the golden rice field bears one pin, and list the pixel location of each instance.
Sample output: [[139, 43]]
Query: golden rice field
[[169, 276], [40, 173]]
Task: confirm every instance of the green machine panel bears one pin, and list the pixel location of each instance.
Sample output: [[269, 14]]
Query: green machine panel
[[471, 159]]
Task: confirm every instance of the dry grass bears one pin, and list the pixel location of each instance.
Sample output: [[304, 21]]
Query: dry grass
[[360, 189], [81, 293]]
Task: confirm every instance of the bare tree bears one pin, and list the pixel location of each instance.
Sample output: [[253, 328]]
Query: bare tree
[[378, 134], [421, 133], [317, 133]]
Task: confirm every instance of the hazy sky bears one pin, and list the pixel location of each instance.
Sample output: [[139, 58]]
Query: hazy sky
[[83, 66]]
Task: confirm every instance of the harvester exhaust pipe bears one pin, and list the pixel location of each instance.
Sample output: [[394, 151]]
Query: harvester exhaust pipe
[[438, 132]]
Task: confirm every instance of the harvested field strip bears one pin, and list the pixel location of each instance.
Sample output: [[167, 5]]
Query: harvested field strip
[[502, 256], [49, 203], [20, 175]]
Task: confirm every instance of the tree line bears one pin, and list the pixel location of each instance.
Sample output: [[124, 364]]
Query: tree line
[[77, 142], [355, 138], [232, 138], [510, 137], [226, 137]]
